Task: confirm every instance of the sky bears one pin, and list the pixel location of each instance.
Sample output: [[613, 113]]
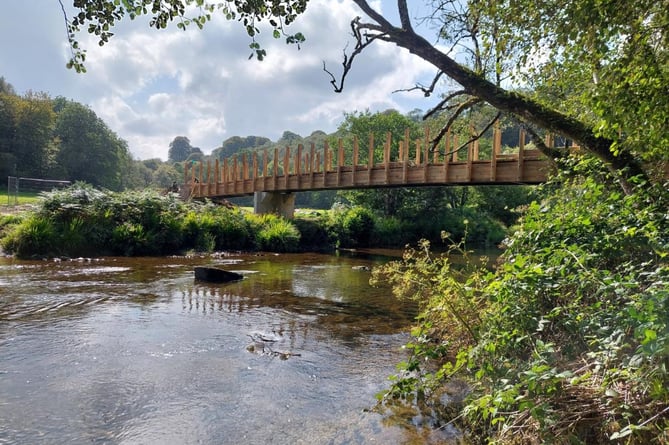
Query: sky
[[150, 86]]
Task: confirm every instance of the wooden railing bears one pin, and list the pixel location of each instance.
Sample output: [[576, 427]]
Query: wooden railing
[[337, 168]]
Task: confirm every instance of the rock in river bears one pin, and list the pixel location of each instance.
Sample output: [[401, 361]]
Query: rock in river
[[216, 275]]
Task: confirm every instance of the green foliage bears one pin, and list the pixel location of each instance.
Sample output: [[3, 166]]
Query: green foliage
[[82, 220], [313, 232], [570, 342], [275, 233], [351, 226], [88, 150], [99, 17], [34, 235]]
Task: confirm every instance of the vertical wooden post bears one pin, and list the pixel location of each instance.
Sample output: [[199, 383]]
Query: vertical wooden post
[[470, 158], [326, 157], [407, 144], [312, 166], [254, 172], [356, 149], [386, 155], [340, 159], [405, 162], [418, 152], [426, 158], [235, 174], [521, 155], [455, 147], [275, 168], [447, 149], [216, 178], [200, 173], [286, 167], [370, 158], [226, 175], [208, 177], [298, 163], [496, 149]]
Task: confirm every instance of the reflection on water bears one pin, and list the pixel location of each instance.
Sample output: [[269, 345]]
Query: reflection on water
[[135, 351]]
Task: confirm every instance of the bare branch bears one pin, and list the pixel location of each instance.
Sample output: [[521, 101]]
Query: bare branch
[[440, 105], [427, 91], [360, 45], [474, 137]]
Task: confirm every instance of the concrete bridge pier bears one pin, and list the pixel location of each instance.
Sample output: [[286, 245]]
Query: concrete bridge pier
[[280, 203]]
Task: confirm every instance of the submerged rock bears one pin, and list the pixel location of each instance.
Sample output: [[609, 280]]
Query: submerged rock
[[216, 275]]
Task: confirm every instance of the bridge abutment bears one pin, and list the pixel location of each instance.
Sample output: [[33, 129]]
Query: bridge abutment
[[280, 203]]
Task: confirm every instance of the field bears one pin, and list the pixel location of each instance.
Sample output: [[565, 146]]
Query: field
[[8, 204]]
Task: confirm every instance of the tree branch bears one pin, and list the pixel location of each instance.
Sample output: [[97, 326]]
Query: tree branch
[[427, 92], [348, 60], [623, 164], [440, 105]]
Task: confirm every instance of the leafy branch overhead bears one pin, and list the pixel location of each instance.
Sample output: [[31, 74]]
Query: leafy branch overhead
[[601, 80], [98, 17]]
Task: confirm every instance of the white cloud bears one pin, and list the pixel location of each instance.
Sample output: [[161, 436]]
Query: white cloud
[[150, 86]]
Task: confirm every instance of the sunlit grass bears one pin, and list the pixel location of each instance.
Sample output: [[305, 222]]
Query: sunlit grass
[[22, 198]]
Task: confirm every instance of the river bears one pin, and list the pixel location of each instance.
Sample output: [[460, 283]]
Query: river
[[135, 351]]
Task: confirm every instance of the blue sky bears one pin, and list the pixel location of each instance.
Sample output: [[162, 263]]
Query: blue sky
[[150, 86]]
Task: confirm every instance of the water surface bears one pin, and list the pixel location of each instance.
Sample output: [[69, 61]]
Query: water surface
[[134, 351]]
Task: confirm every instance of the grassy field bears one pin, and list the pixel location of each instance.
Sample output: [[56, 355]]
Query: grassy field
[[22, 198]]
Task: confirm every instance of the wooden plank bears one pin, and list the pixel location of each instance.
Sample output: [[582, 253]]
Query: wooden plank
[[521, 155], [234, 174], [496, 149], [447, 155], [298, 163], [470, 159], [426, 157], [286, 166], [312, 159], [370, 158], [386, 154], [405, 162], [276, 168], [356, 149]]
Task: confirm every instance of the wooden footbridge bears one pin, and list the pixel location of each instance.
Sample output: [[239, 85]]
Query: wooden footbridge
[[405, 165]]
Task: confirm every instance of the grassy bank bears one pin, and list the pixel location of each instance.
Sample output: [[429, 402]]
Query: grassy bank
[[83, 221]]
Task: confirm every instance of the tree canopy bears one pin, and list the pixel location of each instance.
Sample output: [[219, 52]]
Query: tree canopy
[[598, 73]]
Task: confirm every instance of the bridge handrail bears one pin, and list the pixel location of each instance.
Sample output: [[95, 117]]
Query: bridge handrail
[[245, 173]]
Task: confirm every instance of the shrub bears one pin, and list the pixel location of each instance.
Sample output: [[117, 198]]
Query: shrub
[[572, 341], [351, 226], [274, 233]]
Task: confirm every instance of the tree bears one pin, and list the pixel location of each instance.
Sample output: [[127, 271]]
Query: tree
[[180, 149], [623, 51], [30, 137], [6, 87], [89, 151]]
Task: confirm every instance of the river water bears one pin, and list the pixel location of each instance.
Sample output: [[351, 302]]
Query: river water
[[135, 351]]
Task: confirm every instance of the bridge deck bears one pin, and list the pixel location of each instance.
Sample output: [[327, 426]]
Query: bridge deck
[[318, 170]]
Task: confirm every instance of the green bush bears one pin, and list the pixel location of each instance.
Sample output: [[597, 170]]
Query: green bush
[[351, 226], [35, 235], [572, 340], [274, 233], [313, 233]]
